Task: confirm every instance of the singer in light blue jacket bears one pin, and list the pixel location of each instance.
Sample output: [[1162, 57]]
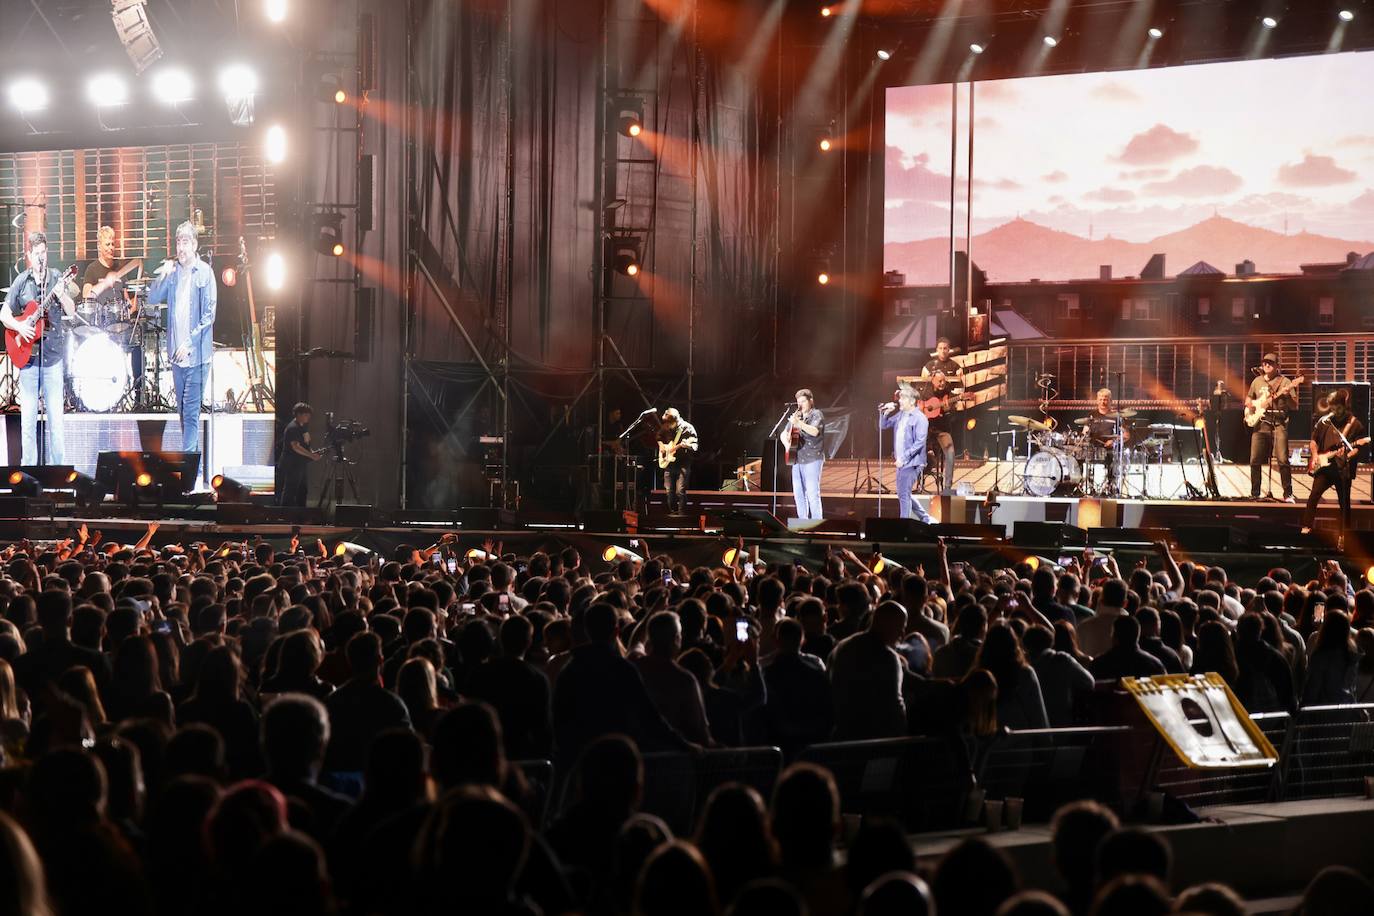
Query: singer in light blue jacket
[[187, 286], [908, 448]]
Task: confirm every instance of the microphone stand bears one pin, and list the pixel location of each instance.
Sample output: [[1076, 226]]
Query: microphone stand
[[776, 436]]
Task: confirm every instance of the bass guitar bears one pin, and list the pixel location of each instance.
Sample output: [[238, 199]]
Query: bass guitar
[[1337, 456], [33, 316], [1255, 412]]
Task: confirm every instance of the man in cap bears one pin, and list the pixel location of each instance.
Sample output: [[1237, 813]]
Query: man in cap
[[1272, 391]]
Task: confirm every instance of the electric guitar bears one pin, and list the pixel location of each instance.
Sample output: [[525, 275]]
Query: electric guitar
[[1337, 456], [20, 350], [1255, 412]]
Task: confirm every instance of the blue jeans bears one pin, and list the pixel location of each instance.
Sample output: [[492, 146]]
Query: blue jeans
[[906, 482], [806, 488], [50, 380], [189, 383]]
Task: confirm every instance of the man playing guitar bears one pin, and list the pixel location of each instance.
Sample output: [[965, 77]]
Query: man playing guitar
[[1337, 438], [1273, 392], [43, 374], [808, 424], [937, 405], [677, 444]]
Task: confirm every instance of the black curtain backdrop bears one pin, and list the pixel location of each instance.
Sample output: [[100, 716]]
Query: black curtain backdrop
[[491, 141]]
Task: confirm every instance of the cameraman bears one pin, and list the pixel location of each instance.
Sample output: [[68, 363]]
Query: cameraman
[[294, 457]]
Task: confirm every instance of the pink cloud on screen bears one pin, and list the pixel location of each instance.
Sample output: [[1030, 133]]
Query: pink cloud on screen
[[1074, 171]]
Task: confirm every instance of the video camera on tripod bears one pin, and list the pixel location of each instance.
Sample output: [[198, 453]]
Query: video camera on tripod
[[343, 432]]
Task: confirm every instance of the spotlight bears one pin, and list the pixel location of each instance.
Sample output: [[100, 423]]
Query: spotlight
[[977, 48], [882, 564], [1346, 15], [275, 10], [274, 145], [28, 94], [827, 12], [275, 271], [331, 89], [1369, 575], [106, 90], [1050, 41], [85, 489], [1156, 32], [625, 255], [728, 558], [22, 484], [972, 422], [229, 490], [629, 116], [884, 54], [823, 278], [614, 554], [329, 233], [826, 144], [1033, 562], [237, 81], [238, 84], [1269, 22], [229, 276], [172, 86], [144, 479]]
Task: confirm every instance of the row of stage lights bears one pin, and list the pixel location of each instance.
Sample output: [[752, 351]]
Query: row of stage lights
[[1154, 33]]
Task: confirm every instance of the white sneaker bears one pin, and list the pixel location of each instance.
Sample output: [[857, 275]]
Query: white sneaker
[[1289, 498]]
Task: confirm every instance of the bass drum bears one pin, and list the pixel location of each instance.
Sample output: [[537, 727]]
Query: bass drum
[[1050, 470], [99, 372]]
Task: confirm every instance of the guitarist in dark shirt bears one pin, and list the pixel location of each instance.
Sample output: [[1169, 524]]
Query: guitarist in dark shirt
[[43, 375], [1333, 463]]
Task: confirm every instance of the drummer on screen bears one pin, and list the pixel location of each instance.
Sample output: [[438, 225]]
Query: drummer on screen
[[1105, 422], [102, 285]]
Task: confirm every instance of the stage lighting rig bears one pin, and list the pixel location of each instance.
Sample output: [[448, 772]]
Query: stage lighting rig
[[274, 144], [239, 86], [28, 95], [329, 233], [229, 490], [629, 116], [135, 32], [625, 253], [22, 484]]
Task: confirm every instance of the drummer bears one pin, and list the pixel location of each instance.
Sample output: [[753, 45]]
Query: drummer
[[102, 286], [1104, 423]]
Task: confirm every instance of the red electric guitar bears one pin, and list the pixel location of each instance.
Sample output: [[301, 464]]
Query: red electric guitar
[[33, 315]]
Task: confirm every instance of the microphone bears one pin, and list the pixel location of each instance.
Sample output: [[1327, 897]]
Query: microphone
[[1325, 418]]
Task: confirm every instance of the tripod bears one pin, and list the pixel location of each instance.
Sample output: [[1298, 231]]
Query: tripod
[[340, 475]]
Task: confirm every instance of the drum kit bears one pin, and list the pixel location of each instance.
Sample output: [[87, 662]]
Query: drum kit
[[105, 349], [1097, 459]]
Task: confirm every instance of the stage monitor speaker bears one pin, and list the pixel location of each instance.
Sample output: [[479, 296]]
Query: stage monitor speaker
[[347, 515], [968, 533], [1097, 513], [1209, 538], [827, 527], [1047, 535], [897, 531], [486, 518], [1128, 538], [617, 521], [752, 523]]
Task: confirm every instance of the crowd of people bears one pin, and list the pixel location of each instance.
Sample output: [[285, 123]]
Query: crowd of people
[[237, 727]]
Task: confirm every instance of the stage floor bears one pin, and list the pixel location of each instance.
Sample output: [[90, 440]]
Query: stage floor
[[842, 476]]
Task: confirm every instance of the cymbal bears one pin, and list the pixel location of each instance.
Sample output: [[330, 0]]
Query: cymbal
[[1127, 413], [1028, 423]]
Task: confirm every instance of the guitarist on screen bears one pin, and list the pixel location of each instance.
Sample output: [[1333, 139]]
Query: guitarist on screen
[[1337, 438], [1272, 393], [43, 374]]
